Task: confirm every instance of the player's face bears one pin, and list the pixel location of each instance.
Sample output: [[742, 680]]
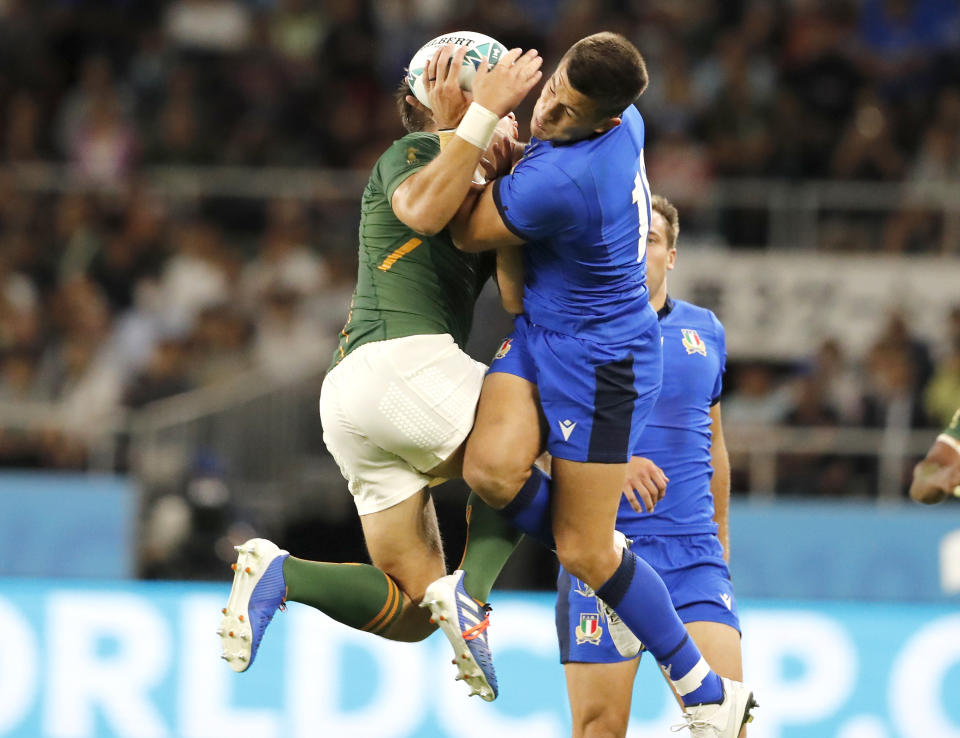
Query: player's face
[[660, 257], [563, 114]]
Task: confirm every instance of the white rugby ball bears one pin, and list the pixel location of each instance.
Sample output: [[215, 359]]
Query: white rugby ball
[[480, 46]]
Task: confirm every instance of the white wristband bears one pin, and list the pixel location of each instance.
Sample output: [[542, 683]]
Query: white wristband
[[477, 126]]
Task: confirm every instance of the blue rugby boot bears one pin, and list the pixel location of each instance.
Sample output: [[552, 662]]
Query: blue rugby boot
[[258, 591], [464, 622]]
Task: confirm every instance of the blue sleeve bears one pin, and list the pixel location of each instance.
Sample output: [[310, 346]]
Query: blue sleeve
[[538, 200], [722, 349]]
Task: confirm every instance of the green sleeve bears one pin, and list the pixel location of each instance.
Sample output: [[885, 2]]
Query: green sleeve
[[406, 156], [953, 430]]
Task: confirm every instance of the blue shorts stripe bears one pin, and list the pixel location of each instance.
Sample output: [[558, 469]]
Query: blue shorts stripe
[[564, 585], [614, 403]]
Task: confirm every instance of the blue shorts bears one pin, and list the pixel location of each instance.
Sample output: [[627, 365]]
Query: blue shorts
[[596, 397], [696, 576]]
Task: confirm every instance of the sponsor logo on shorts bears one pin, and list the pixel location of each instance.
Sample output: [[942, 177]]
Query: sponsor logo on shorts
[[692, 342], [566, 428], [503, 350], [589, 630], [727, 600]]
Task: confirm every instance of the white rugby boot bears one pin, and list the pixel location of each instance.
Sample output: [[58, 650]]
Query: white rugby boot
[[464, 622], [258, 591], [723, 720]]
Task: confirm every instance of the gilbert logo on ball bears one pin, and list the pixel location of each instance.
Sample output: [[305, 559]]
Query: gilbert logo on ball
[[480, 46]]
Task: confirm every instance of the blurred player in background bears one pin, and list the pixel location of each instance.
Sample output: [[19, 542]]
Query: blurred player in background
[[938, 475], [683, 535], [586, 353], [400, 398]]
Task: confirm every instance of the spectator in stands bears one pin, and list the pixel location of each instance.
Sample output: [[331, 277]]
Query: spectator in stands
[[810, 475], [214, 26], [288, 342], [220, 346], [838, 382], [756, 400], [285, 261], [166, 374], [196, 276], [23, 141], [918, 225], [867, 147]]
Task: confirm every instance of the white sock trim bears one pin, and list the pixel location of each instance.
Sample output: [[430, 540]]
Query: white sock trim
[[692, 680], [477, 126], [950, 441]]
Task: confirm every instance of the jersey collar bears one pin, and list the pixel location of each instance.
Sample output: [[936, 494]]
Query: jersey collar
[[666, 309]]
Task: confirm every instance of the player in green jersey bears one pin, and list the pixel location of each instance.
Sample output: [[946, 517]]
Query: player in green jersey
[[938, 475], [400, 397]]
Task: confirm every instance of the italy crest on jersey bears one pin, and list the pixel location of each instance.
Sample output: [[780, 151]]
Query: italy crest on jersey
[[504, 349], [692, 342], [589, 630]]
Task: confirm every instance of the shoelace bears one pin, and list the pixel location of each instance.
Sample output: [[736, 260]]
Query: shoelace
[[691, 723], [475, 631]]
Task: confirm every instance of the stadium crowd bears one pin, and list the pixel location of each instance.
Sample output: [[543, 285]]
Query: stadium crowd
[[113, 295]]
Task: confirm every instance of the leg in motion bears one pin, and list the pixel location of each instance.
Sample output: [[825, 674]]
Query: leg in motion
[[404, 545]]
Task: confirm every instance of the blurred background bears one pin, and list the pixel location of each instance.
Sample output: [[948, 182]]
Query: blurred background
[[179, 199]]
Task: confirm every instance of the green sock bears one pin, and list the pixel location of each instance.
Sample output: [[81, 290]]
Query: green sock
[[491, 539], [358, 595]]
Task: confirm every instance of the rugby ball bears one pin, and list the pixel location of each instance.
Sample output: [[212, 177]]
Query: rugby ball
[[480, 46]]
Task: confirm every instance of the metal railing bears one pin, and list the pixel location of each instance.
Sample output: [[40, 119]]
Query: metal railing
[[793, 210], [759, 450], [265, 438]]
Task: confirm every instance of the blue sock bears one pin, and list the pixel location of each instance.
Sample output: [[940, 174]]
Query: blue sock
[[529, 511], [638, 595]]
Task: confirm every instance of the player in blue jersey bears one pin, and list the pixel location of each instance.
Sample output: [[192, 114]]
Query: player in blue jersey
[[684, 536], [586, 354]]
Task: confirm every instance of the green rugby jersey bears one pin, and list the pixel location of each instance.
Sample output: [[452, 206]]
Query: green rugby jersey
[[951, 435], [408, 284]]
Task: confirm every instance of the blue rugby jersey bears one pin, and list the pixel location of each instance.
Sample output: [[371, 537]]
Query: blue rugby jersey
[[677, 435], [584, 210]]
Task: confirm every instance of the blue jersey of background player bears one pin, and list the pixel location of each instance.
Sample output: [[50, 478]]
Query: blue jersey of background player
[[682, 450], [678, 434], [586, 354]]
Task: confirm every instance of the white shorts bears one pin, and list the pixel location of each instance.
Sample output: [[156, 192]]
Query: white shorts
[[393, 410]]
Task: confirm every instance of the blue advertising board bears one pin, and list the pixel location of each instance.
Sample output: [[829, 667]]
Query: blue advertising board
[[84, 660], [67, 525], [84, 525], [846, 550]]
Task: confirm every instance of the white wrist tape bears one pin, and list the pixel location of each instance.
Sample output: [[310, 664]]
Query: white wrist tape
[[477, 126]]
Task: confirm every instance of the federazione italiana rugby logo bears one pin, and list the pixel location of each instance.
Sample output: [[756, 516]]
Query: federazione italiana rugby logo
[[504, 349], [589, 630], [692, 342]]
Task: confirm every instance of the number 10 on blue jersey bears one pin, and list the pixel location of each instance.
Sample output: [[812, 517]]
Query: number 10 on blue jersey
[[641, 197]]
